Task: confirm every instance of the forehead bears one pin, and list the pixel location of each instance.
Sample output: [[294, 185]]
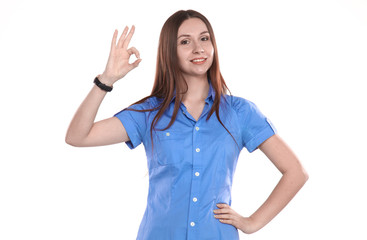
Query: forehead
[[192, 26]]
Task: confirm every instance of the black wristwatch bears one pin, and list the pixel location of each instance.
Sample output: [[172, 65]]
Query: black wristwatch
[[102, 86]]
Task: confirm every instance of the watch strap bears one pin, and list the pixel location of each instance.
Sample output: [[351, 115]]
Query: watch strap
[[102, 86]]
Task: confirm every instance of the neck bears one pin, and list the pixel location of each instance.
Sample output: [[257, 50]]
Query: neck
[[198, 88]]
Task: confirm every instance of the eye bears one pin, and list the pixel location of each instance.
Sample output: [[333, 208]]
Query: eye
[[185, 41], [204, 38]]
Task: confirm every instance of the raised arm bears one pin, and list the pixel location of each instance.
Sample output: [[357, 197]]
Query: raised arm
[[83, 131]]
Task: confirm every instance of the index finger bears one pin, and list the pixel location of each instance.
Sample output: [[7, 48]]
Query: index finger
[[128, 38]]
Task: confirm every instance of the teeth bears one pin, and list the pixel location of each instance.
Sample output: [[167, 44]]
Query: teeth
[[199, 60]]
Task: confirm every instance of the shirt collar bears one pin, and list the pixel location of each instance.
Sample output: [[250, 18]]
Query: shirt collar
[[211, 93]]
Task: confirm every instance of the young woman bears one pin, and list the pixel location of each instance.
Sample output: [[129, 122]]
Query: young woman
[[192, 132]]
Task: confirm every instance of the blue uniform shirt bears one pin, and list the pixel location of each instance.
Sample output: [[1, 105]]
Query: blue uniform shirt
[[192, 166]]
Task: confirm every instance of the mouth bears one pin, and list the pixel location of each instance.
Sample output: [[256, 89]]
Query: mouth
[[198, 60]]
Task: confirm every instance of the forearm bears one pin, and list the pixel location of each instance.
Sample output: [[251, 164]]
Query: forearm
[[82, 130], [84, 117], [288, 186]]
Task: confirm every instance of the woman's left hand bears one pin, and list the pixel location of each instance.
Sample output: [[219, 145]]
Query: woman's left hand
[[225, 214]]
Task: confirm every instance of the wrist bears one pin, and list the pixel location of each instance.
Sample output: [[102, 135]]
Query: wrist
[[256, 223], [249, 225], [105, 80], [101, 85]]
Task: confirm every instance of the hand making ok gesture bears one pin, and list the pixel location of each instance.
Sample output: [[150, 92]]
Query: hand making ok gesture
[[118, 62]]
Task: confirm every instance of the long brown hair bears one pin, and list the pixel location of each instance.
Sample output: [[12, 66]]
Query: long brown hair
[[169, 79]]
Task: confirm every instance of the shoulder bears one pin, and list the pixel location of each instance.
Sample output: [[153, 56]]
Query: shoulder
[[147, 104], [239, 104], [138, 109]]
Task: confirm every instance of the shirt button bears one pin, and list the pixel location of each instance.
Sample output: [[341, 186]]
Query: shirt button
[[167, 134], [197, 174], [197, 128], [195, 199], [192, 224], [198, 150]]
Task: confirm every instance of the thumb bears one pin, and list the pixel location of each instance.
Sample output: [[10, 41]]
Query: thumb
[[136, 63]]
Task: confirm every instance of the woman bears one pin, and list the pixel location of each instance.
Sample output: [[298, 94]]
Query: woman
[[193, 133]]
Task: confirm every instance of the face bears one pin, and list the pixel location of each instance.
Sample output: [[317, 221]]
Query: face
[[194, 48]]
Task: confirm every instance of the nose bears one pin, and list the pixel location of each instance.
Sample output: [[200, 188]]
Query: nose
[[198, 48]]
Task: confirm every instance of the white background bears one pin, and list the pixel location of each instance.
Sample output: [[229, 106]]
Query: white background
[[304, 63]]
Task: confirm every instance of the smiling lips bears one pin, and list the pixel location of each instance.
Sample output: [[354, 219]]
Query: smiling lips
[[198, 60]]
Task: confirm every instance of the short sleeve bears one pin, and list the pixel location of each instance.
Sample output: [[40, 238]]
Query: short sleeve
[[254, 126], [134, 123]]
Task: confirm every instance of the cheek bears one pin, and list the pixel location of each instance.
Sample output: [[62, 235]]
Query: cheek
[[181, 55], [209, 49], [210, 62], [210, 52]]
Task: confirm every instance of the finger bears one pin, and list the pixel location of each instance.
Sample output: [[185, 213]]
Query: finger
[[136, 63], [129, 36], [221, 211], [223, 205], [122, 37], [223, 216], [229, 221], [113, 43], [134, 51]]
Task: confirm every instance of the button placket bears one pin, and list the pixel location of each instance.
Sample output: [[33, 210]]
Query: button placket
[[193, 219]]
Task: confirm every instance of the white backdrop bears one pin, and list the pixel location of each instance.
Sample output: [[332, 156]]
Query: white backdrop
[[304, 63]]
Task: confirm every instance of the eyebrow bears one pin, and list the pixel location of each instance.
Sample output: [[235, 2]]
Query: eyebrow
[[188, 35]]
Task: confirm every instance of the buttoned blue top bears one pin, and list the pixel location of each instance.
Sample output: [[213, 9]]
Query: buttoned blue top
[[192, 165]]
